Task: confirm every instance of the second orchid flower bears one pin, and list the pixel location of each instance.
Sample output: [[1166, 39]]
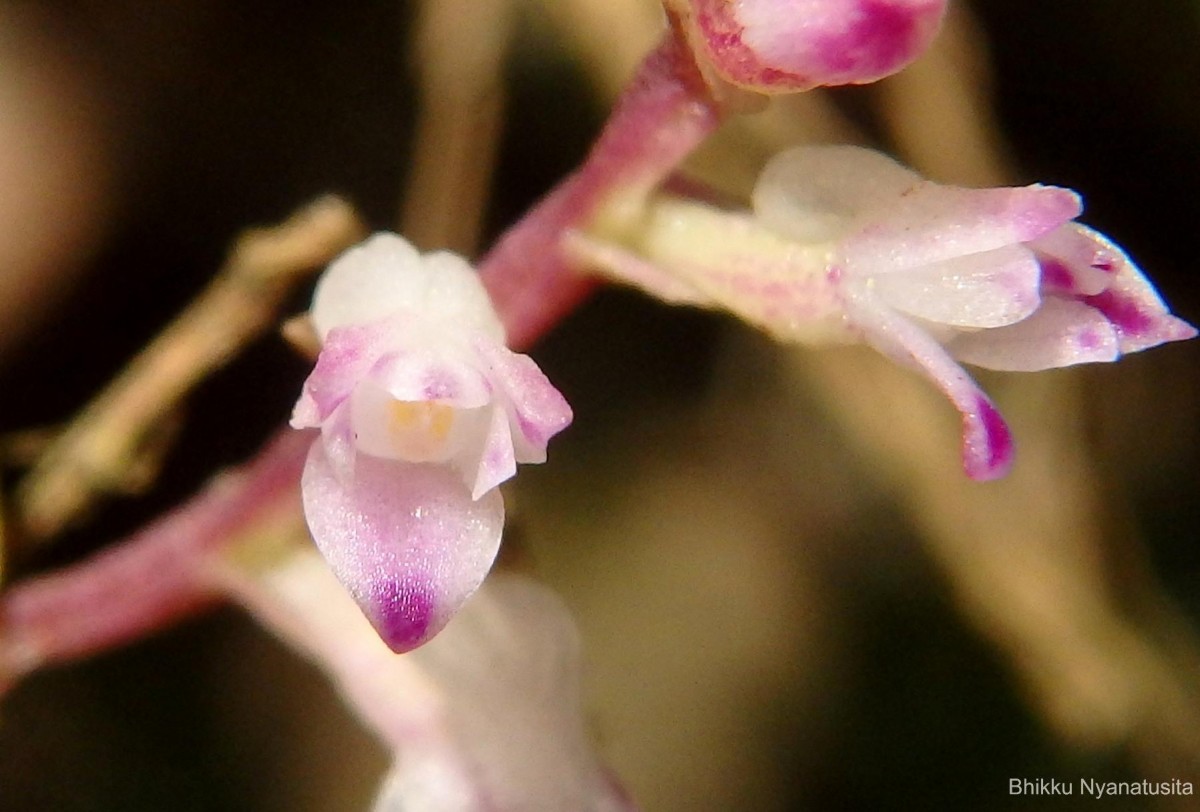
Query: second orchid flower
[[844, 243]]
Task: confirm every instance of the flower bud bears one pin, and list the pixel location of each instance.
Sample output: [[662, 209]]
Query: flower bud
[[784, 46]]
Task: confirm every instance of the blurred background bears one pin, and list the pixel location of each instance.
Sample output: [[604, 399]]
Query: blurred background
[[790, 596]]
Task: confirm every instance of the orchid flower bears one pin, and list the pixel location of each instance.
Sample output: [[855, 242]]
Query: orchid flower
[[423, 412], [784, 46], [844, 244]]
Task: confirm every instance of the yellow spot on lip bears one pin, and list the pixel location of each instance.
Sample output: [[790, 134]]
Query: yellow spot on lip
[[419, 430]]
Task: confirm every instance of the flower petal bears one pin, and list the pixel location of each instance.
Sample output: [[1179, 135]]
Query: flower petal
[[1076, 260], [429, 365], [1061, 333], [934, 223], [1131, 303], [347, 356], [385, 275], [493, 460], [1085, 264], [1139, 316], [407, 541], [990, 289], [536, 410], [816, 193], [987, 447], [339, 443]]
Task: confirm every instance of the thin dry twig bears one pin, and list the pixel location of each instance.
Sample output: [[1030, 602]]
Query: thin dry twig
[[1025, 559], [21, 449], [460, 52], [110, 447], [609, 37], [939, 112]]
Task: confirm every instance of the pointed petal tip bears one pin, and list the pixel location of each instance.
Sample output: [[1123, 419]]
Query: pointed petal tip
[[405, 615], [1176, 329], [1140, 318], [498, 462], [306, 414], [1162, 328], [1053, 207]]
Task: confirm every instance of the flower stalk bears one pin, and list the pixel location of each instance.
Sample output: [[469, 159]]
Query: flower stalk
[[666, 112]]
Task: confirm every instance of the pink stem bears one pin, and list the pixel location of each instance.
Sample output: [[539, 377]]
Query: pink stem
[[156, 577], [150, 580], [665, 113]]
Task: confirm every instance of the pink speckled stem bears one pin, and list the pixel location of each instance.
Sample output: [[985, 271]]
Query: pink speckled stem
[[149, 581], [665, 113], [158, 576]]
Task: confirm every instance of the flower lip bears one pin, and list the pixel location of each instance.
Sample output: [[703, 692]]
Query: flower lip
[[408, 541]]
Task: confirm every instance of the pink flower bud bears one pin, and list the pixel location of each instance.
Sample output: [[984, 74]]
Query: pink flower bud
[[783, 46]]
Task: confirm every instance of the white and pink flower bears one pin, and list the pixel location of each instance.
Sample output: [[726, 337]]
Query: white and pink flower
[[423, 412], [784, 46], [844, 243]]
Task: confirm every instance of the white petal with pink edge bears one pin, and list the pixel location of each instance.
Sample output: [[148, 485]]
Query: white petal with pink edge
[[407, 540]]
